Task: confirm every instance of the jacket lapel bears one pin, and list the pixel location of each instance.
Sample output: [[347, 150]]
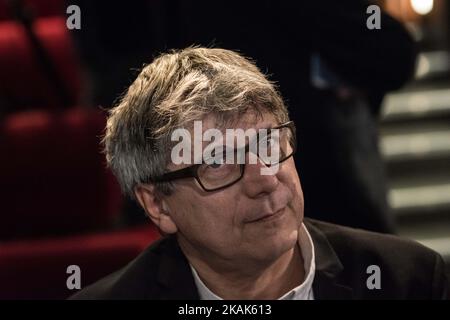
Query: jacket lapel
[[327, 284], [174, 275]]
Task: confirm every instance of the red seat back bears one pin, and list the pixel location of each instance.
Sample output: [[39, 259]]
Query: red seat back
[[37, 269], [53, 174], [23, 81], [38, 8]]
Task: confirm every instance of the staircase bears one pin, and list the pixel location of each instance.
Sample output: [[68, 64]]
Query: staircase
[[415, 144]]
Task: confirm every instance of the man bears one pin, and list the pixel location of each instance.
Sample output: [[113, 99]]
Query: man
[[232, 231]]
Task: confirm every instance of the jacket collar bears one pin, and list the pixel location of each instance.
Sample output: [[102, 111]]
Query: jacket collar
[[327, 283], [174, 274]]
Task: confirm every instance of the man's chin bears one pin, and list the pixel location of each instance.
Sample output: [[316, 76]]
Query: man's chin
[[271, 247]]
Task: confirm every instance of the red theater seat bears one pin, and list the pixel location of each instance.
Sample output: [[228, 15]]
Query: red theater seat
[[23, 81], [37, 269], [39, 8], [53, 174]]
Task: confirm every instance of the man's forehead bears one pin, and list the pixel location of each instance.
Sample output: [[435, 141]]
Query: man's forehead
[[246, 121]]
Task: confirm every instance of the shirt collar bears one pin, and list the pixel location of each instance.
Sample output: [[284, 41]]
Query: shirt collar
[[301, 292]]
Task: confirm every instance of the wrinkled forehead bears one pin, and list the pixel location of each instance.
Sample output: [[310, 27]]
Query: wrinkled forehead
[[234, 132], [249, 120]]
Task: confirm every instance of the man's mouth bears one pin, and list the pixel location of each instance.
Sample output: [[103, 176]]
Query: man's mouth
[[269, 216]]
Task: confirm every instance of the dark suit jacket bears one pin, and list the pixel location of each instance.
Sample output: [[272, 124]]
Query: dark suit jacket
[[408, 270]]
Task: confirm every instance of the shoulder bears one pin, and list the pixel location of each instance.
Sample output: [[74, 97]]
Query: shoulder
[[357, 241], [137, 280], [406, 267]]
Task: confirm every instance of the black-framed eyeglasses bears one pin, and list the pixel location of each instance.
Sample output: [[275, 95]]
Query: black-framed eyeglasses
[[219, 174]]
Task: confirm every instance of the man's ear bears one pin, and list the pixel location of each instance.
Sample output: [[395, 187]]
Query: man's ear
[[155, 207]]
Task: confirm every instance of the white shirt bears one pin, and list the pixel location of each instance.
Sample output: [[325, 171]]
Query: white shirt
[[302, 292]]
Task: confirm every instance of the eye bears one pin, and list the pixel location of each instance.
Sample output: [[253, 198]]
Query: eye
[[215, 165], [216, 170], [269, 143]]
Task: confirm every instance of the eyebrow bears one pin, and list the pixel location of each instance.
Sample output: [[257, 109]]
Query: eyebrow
[[264, 126], [228, 147]]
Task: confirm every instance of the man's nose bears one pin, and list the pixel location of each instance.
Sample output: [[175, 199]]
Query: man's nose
[[257, 184]]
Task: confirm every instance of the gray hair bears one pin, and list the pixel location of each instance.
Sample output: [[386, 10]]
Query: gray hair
[[172, 92]]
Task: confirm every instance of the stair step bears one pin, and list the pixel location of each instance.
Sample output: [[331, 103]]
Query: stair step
[[423, 197], [416, 145], [418, 104]]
